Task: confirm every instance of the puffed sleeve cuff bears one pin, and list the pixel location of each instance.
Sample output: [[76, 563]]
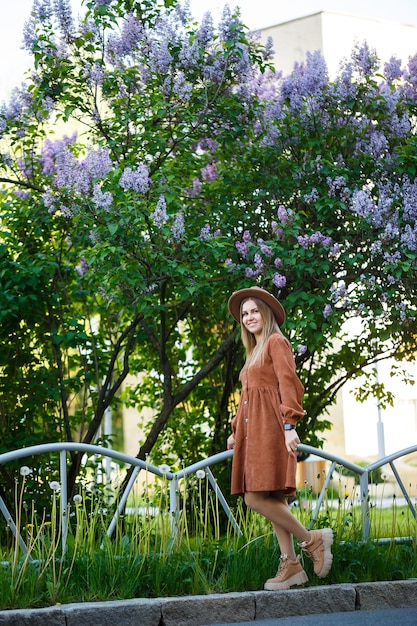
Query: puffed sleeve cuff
[[290, 415]]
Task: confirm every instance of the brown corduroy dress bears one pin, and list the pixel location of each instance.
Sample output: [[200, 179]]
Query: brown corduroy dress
[[271, 394]]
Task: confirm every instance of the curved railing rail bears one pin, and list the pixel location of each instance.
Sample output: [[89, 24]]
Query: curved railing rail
[[174, 477]]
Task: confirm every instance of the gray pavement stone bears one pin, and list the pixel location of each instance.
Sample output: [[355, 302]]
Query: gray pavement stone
[[140, 611], [201, 610], [311, 600], [33, 617], [387, 594]]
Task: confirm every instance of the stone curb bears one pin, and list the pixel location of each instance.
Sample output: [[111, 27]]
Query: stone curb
[[222, 608]]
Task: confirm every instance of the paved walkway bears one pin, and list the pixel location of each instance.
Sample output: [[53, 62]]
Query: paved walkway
[[388, 617]]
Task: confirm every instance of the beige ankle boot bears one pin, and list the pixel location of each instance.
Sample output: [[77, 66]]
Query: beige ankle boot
[[319, 550], [289, 573]]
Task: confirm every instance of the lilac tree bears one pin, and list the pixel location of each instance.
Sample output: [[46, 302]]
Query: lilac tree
[[336, 216], [108, 152], [151, 166]]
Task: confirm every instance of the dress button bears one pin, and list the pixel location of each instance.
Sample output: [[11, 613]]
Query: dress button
[[245, 402]]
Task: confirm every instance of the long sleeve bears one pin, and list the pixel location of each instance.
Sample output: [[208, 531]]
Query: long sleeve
[[290, 387]]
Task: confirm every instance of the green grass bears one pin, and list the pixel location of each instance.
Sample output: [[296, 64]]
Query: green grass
[[142, 559]]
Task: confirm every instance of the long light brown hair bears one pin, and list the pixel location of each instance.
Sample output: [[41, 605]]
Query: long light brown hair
[[255, 348]]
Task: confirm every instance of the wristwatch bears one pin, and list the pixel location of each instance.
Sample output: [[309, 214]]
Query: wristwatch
[[289, 426]]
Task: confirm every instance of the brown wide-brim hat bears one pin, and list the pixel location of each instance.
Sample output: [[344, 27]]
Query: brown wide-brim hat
[[237, 298]]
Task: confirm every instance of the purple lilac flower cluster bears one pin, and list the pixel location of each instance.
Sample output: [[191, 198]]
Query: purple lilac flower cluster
[[66, 172], [37, 30], [160, 215], [102, 199], [82, 268], [365, 59], [161, 219], [79, 175], [409, 196], [410, 77], [260, 254], [392, 69], [178, 226], [209, 172], [19, 111], [307, 80], [312, 196], [265, 249], [279, 280], [41, 12], [230, 26], [195, 190], [339, 294], [137, 180], [289, 95], [124, 43], [382, 213], [327, 311], [171, 50], [306, 241], [94, 74], [63, 13], [205, 33], [336, 186], [284, 215], [206, 233]]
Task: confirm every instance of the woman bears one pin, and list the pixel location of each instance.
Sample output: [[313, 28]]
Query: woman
[[264, 437]]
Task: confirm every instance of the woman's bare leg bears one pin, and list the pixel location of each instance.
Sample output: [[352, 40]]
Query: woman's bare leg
[[285, 524], [285, 541]]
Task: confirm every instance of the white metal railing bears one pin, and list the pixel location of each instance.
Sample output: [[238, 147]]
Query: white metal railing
[[174, 477]]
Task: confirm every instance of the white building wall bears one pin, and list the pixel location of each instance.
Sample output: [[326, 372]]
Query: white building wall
[[336, 35], [292, 40]]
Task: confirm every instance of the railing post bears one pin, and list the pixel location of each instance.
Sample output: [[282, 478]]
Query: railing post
[[322, 494], [123, 500], [364, 499], [64, 498], [219, 495], [173, 506], [10, 523], [403, 489]]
